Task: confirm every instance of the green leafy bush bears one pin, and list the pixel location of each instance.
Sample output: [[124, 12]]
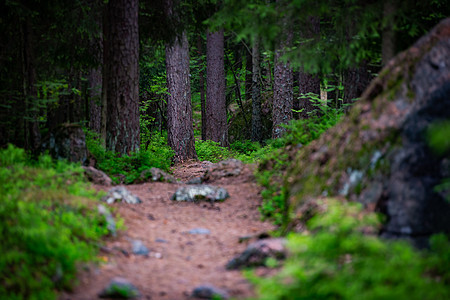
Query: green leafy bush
[[211, 151], [129, 168], [335, 260], [49, 224]]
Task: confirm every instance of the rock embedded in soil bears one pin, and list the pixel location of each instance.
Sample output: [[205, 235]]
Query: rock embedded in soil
[[209, 292], [226, 168], [156, 175], [120, 193], [258, 252], [96, 176], [110, 223], [119, 288], [139, 248], [199, 231], [200, 192]]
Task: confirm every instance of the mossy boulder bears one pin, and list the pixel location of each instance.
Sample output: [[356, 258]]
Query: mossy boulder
[[379, 154]]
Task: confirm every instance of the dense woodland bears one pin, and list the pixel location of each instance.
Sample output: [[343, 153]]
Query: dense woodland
[[157, 83]]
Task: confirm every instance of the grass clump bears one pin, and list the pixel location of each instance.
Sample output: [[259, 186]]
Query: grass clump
[[128, 168], [336, 260], [49, 224]]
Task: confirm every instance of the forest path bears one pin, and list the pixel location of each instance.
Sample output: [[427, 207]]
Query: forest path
[[178, 261]]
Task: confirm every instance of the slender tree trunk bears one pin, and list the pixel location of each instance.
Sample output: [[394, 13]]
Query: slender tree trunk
[[122, 76], [31, 126], [256, 94], [283, 88], [388, 35], [94, 99], [216, 110], [355, 82], [179, 109], [248, 74]]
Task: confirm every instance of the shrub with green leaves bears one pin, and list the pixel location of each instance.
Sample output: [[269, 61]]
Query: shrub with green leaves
[[334, 259], [211, 151], [128, 168], [49, 223]]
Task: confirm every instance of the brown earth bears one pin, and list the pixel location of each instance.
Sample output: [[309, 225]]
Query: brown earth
[[182, 261]]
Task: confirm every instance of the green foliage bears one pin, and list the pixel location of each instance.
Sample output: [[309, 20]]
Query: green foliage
[[49, 224], [335, 260], [128, 168], [438, 139], [274, 162], [211, 151]]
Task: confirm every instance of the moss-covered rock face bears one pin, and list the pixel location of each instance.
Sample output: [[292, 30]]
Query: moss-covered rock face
[[379, 155]]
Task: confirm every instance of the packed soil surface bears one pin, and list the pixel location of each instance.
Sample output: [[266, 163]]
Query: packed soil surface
[[178, 261]]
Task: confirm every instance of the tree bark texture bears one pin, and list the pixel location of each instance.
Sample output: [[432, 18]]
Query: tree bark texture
[[248, 74], [356, 80], [180, 130], [256, 94], [31, 126], [122, 76], [283, 90], [216, 110]]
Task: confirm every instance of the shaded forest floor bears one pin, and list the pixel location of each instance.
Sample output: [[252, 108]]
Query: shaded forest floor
[[179, 261]]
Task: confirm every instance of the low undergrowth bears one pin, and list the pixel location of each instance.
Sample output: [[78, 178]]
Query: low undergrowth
[[128, 168], [49, 224], [335, 258]]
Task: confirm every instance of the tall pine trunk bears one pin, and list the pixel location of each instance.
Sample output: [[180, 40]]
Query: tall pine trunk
[[216, 110], [256, 94], [31, 126], [121, 75], [180, 130], [283, 89]]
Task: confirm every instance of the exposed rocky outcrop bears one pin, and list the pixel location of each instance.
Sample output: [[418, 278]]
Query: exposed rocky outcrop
[[121, 194], [208, 291], [97, 176], [258, 252], [155, 174], [68, 141], [200, 192], [379, 154], [119, 288]]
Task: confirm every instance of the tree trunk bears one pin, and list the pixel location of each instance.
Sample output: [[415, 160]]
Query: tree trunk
[[122, 76], [248, 74], [180, 131], [201, 83], [256, 94], [283, 89], [356, 80], [31, 126], [216, 110], [94, 99], [388, 35]]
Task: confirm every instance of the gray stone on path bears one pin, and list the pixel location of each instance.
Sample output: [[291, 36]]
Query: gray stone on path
[[200, 192], [110, 223], [139, 248], [209, 292], [155, 174], [258, 252], [120, 193], [119, 288], [199, 231]]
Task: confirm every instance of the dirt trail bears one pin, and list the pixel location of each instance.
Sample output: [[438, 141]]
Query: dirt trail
[[186, 260]]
